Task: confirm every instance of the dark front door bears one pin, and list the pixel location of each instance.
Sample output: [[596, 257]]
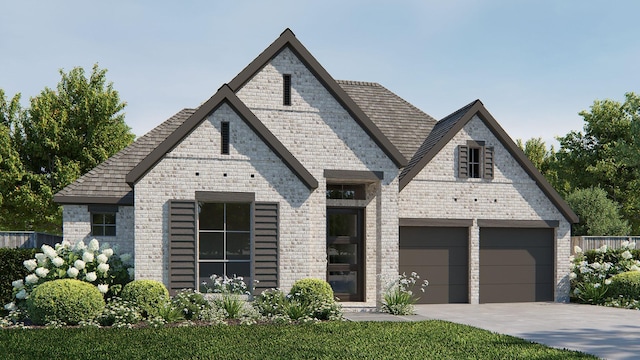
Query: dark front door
[[345, 250]]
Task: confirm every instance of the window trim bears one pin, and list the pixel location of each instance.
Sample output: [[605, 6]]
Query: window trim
[[484, 164]]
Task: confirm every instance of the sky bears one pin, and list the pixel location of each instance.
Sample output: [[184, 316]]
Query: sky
[[534, 64]]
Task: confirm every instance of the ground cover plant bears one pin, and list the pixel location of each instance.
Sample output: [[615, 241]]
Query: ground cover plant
[[399, 296], [606, 276], [325, 340]]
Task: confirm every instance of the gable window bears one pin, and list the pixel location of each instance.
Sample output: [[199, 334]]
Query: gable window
[[103, 224], [224, 133], [286, 91], [224, 240], [347, 191], [475, 160]]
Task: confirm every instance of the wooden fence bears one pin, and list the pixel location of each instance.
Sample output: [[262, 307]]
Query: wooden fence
[[27, 239], [594, 242]]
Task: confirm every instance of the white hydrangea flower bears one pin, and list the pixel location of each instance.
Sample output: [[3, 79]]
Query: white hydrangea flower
[[103, 288], [79, 264], [596, 285], [49, 251], [626, 255], [80, 245], [65, 244], [577, 249], [57, 261], [624, 244], [87, 257], [131, 272], [42, 272], [634, 268], [73, 272], [596, 265], [10, 306], [125, 258], [31, 279], [602, 249], [607, 282], [91, 277], [18, 284], [573, 275], [41, 258], [94, 245], [22, 294], [30, 264], [103, 268], [632, 245], [107, 252], [102, 259], [105, 245]]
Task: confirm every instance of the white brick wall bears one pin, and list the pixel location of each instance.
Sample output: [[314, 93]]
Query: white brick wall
[[437, 192], [77, 226]]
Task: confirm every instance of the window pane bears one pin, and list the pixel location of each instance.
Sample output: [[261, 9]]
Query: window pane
[[211, 216], [238, 246], [343, 253], [110, 231], [110, 219], [97, 230], [239, 217], [208, 269], [345, 282], [239, 269], [97, 218], [211, 246], [343, 225], [334, 191], [356, 192]]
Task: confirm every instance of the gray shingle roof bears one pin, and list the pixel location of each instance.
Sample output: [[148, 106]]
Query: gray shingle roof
[[106, 182], [403, 124]]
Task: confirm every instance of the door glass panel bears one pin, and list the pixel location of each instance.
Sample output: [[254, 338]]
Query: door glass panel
[[238, 246], [343, 224], [344, 282], [211, 246], [211, 216], [343, 253], [238, 217]]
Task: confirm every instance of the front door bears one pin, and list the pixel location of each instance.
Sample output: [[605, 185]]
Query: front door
[[345, 250]]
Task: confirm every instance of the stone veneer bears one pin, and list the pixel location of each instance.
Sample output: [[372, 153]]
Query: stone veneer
[[77, 226], [437, 193], [319, 133]]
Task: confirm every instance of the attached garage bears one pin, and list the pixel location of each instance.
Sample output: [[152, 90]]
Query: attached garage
[[516, 264], [440, 255]]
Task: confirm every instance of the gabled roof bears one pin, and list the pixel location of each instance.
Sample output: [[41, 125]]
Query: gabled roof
[[222, 96], [403, 124], [448, 127], [288, 39], [105, 184]]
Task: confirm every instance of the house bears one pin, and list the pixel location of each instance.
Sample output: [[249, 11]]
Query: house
[[286, 173]]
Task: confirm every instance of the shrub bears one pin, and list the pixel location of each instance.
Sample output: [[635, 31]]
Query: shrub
[[316, 295], [148, 295], [270, 302], [68, 301], [11, 268], [626, 284], [398, 297], [191, 303], [119, 313]]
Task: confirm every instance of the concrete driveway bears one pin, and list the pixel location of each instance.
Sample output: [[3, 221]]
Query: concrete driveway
[[605, 332]]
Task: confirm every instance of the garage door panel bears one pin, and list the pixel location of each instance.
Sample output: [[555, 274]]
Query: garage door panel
[[434, 257], [441, 294], [515, 275], [497, 293], [536, 256]]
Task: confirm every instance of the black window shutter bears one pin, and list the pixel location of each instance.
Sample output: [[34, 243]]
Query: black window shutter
[[463, 161], [265, 246], [488, 163], [182, 245]]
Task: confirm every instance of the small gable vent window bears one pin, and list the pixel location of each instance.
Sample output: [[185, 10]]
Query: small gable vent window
[[286, 91], [475, 160], [224, 131]]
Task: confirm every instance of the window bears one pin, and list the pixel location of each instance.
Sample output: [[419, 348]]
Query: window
[[475, 160], [103, 224], [224, 132], [224, 240], [350, 192], [286, 93]]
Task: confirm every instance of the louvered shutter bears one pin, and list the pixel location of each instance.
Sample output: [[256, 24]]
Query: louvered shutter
[[265, 251], [463, 161], [488, 163], [182, 245]]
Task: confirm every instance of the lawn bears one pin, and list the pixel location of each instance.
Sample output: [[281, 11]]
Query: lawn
[[328, 340]]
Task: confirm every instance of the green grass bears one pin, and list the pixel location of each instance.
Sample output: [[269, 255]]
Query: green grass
[[329, 340]]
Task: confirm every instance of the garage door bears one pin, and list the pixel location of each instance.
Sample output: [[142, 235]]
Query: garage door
[[440, 255], [516, 265]]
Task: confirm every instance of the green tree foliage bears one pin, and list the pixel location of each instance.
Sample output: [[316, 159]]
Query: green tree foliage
[[606, 154], [544, 159], [599, 215], [65, 133]]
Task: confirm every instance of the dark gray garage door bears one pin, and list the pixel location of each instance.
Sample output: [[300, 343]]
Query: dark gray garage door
[[516, 265], [440, 255]]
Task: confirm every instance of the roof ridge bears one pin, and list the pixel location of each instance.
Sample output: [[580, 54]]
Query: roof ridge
[[357, 82]]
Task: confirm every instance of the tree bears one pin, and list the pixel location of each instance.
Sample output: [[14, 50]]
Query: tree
[[544, 159], [599, 215], [65, 133], [605, 155]]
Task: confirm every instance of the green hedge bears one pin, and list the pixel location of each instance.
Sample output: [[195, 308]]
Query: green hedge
[[11, 269], [148, 295], [69, 301], [626, 285]]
